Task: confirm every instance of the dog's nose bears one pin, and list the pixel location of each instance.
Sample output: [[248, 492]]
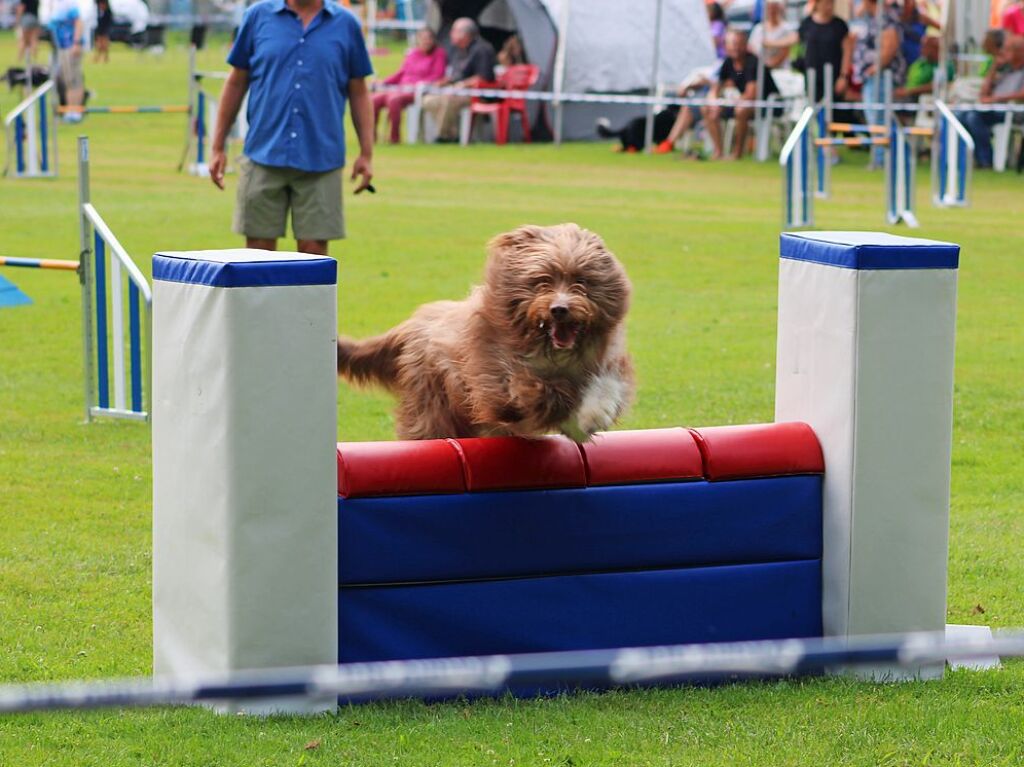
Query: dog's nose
[[559, 311]]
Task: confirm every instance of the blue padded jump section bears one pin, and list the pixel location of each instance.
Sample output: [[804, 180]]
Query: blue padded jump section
[[489, 535], [707, 604]]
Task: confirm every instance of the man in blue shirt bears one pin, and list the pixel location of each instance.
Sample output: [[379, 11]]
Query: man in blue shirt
[[300, 60]]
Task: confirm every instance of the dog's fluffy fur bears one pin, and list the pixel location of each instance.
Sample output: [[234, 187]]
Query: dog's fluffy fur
[[539, 347]]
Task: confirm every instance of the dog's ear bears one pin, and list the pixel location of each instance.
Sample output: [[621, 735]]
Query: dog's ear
[[512, 242]]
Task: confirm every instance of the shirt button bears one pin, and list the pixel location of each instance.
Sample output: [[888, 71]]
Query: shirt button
[[294, 134], [302, 39], [298, 85], [300, 62], [295, 110]]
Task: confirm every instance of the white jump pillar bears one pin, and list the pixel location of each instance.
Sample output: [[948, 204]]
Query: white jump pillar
[[865, 356], [245, 542]]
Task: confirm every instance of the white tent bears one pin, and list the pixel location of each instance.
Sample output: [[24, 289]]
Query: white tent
[[596, 46]]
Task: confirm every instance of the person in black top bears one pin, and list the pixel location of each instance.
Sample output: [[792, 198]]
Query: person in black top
[[827, 40], [470, 63], [104, 23], [739, 71]]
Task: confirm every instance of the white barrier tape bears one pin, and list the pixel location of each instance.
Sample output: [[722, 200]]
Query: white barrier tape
[[536, 671], [619, 98]]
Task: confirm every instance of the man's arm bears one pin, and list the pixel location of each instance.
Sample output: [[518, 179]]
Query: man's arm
[[990, 81], [230, 101], [362, 118]]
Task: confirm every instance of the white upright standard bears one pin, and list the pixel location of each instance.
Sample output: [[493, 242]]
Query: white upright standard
[[244, 467], [865, 356]]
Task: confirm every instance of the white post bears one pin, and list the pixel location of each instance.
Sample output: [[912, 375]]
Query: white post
[[558, 81], [865, 356], [244, 465], [656, 61]]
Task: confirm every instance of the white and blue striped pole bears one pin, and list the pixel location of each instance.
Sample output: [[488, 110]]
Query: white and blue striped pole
[[797, 162], [541, 672]]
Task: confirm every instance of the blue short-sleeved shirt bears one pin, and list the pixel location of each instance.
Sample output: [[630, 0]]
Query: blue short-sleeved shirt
[[298, 83]]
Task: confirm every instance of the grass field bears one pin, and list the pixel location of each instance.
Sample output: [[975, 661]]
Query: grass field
[[700, 243]]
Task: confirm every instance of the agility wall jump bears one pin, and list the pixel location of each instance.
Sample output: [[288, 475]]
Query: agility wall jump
[[275, 547]]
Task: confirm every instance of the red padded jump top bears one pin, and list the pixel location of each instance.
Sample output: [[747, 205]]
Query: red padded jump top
[[612, 458]]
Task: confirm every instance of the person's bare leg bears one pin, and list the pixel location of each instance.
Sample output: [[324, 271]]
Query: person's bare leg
[[313, 247], [684, 120], [743, 115], [260, 243], [711, 115]]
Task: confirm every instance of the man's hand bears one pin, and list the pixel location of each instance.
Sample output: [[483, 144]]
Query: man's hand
[[363, 168], [988, 100], [218, 162]]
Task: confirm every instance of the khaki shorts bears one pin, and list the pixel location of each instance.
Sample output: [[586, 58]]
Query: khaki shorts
[[266, 193], [70, 69]]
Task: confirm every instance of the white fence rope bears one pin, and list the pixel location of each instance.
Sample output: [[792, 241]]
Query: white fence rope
[[448, 677]]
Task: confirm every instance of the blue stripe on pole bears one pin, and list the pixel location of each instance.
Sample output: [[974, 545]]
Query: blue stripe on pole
[[805, 188], [101, 322], [134, 350], [200, 126], [891, 177], [19, 143], [822, 132], [31, 263], [44, 153], [789, 192], [962, 159], [943, 157]]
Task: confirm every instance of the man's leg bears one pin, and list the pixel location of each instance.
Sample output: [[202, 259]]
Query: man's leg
[[682, 124], [711, 116], [743, 115], [433, 105], [313, 247], [261, 204], [317, 214], [449, 117], [977, 126]]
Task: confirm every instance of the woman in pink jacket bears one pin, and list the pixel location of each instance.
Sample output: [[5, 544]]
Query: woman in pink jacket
[[423, 64]]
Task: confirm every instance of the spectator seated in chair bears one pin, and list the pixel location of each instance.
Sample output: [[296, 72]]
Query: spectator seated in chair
[[696, 84], [423, 64], [1004, 84], [739, 73], [470, 63]]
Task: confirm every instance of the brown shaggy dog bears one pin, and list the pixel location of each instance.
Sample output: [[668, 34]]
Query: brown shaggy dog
[[539, 347]]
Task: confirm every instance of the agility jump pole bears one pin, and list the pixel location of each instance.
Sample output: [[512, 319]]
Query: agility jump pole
[[550, 671], [124, 110], [39, 263]]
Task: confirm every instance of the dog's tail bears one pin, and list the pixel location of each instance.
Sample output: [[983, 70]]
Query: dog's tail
[[371, 361]]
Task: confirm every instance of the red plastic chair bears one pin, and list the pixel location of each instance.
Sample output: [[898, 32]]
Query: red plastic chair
[[519, 77]]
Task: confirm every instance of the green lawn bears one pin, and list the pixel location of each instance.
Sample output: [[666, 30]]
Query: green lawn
[[700, 243]]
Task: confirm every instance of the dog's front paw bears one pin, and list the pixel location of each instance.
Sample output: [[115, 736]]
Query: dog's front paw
[[602, 403]]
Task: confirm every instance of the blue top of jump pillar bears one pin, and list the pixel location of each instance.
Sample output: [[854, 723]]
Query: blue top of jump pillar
[[243, 268], [868, 250]]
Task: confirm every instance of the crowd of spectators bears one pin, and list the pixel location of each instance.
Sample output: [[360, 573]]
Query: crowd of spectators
[[882, 40]]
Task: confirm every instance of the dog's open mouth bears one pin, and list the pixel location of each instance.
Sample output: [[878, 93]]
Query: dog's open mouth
[[563, 334]]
